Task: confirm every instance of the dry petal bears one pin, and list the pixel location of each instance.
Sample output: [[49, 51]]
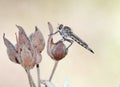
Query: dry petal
[[22, 39], [12, 53], [37, 40], [28, 61], [50, 41], [50, 27]]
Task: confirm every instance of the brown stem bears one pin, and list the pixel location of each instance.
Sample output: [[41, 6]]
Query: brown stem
[[53, 71]]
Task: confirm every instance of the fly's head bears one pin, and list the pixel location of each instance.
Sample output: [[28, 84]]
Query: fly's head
[[64, 29], [60, 27]]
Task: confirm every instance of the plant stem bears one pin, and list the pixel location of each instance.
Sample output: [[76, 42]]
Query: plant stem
[[53, 71], [38, 74], [31, 82], [29, 78]]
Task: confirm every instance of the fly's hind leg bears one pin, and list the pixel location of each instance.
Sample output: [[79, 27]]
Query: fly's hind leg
[[70, 41]]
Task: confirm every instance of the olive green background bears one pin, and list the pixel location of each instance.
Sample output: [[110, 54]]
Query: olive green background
[[96, 21]]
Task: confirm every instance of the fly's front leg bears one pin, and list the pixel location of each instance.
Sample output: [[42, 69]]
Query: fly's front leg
[[54, 33]]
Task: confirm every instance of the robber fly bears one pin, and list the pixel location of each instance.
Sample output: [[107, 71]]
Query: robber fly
[[69, 36]]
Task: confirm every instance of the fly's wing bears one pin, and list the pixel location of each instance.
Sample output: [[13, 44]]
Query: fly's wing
[[80, 41]]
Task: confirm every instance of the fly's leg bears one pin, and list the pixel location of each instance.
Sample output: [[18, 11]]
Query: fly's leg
[[70, 41], [53, 33]]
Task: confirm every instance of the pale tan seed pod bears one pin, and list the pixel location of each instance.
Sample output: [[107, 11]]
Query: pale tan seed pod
[[58, 50], [28, 62], [11, 51], [37, 40]]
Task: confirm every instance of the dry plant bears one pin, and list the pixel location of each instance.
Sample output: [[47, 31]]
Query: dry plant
[[27, 51]]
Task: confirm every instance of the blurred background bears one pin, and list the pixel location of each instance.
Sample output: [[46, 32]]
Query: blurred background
[[97, 22]]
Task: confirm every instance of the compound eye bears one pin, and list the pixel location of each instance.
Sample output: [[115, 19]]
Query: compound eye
[[60, 27]]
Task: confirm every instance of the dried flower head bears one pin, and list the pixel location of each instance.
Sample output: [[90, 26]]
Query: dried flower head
[[57, 50], [26, 52]]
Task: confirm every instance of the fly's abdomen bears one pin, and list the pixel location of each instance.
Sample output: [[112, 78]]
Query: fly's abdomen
[[80, 41]]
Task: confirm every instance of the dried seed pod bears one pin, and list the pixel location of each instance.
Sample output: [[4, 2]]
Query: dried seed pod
[[22, 39], [28, 61], [11, 51], [58, 50], [37, 40]]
